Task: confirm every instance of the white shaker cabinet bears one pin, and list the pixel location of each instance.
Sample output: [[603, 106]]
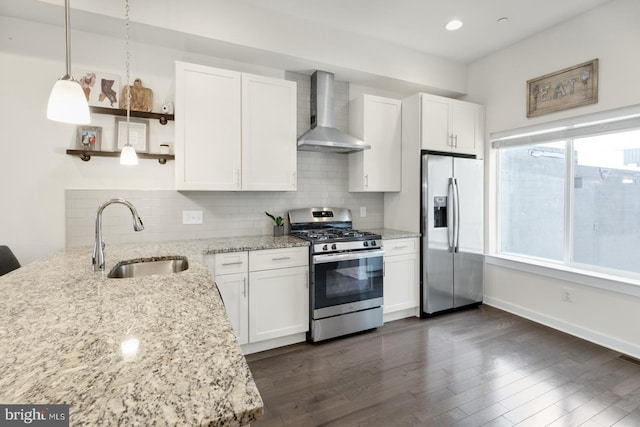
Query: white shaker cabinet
[[269, 147], [279, 302], [231, 275], [376, 121], [401, 278], [450, 125], [265, 294], [235, 292], [208, 128], [234, 131]]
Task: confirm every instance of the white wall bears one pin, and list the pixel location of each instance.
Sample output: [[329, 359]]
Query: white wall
[[610, 33]]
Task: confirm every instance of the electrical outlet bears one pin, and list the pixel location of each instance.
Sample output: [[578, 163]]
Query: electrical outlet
[[192, 217], [363, 211], [567, 294]]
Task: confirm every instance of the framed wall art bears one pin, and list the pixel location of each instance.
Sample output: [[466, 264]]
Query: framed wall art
[[138, 134], [89, 138], [564, 89], [101, 89]]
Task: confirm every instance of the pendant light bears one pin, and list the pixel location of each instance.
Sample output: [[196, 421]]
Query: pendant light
[[67, 102], [128, 156]]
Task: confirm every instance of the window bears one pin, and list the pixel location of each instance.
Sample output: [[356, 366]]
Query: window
[[569, 192], [532, 200], [606, 201]]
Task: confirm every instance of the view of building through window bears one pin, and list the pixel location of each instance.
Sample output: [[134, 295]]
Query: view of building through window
[[603, 225]]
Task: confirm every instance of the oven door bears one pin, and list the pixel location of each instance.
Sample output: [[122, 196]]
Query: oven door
[[346, 282]]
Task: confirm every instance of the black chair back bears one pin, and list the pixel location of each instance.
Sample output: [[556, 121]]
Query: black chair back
[[8, 261]]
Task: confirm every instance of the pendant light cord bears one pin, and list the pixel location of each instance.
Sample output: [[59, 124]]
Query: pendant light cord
[[128, 57], [67, 34]]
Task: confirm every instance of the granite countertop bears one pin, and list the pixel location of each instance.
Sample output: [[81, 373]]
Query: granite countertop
[[63, 327], [251, 243], [389, 234]]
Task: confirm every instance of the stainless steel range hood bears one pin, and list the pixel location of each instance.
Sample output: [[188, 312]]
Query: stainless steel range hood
[[323, 135]]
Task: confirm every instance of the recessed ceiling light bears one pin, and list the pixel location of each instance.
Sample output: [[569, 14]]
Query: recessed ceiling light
[[454, 24]]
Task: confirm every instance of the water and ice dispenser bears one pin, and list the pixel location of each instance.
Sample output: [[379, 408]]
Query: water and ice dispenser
[[440, 212]]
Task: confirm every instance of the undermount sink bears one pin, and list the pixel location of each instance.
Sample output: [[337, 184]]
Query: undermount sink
[[149, 266]]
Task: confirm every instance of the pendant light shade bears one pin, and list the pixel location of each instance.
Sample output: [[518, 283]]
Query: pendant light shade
[[67, 102], [128, 156]]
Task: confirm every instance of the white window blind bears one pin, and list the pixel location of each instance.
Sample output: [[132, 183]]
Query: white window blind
[[599, 123]]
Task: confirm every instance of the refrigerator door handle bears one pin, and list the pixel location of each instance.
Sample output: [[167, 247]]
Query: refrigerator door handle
[[456, 215], [451, 220]]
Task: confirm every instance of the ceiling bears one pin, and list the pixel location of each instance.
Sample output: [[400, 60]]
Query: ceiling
[[413, 25], [419, 24]]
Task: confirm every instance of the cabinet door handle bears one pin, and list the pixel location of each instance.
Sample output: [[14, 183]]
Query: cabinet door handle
[[400, 247], [456, 141], [232, 263], [366, 181], [280, 258], [384, 268], [244, 287], [450, 143], [293, 179]]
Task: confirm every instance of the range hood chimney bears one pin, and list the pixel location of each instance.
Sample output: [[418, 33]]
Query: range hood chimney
[[323, 135]]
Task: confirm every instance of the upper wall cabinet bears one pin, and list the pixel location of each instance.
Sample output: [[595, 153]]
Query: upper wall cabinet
[[234, 131], [378, 122], [452, 126], [269, 150]]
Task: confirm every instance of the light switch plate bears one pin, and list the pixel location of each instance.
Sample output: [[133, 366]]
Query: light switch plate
[[192, 217], [363, 211]]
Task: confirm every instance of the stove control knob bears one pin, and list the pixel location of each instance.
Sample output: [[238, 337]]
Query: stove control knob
[[334, 247], [365, 244], [373, 243], [325, 248]]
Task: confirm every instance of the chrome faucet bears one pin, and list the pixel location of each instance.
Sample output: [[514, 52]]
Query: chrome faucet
[[98, 248]]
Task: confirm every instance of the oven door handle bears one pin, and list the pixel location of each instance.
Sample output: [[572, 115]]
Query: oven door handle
[[347, 256]]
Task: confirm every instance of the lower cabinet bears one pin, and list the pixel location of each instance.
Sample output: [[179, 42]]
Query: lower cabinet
[[279, 303], [235, 293], [266, 295], [401, 278]]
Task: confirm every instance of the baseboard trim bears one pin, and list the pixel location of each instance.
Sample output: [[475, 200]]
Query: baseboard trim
[[259, 346], [569, 328], [402, 314]]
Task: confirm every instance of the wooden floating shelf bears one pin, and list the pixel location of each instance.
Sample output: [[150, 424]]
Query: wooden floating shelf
[[85, 156], [163, 118]]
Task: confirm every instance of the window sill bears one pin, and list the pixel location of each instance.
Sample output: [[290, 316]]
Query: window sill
[[609, 282]]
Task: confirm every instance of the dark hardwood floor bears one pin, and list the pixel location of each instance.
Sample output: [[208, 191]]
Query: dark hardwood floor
[[478, 367]]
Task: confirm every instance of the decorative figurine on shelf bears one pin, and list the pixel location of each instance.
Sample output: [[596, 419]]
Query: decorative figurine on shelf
[[141, 97], [107, 91], [167, 107]]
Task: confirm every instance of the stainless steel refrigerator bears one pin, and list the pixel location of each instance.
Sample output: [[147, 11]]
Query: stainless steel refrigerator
[[452, 232]]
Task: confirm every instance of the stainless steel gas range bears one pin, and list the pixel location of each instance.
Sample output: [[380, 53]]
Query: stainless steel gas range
[[346, 273]]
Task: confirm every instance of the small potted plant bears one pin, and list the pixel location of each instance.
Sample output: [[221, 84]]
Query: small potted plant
[[278, 228]]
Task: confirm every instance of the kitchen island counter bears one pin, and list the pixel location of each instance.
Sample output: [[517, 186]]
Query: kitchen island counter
[[140, 351]]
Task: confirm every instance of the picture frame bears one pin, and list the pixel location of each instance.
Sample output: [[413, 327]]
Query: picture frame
[[89, 138], [101, 89], [561, 90], [138, 134]]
